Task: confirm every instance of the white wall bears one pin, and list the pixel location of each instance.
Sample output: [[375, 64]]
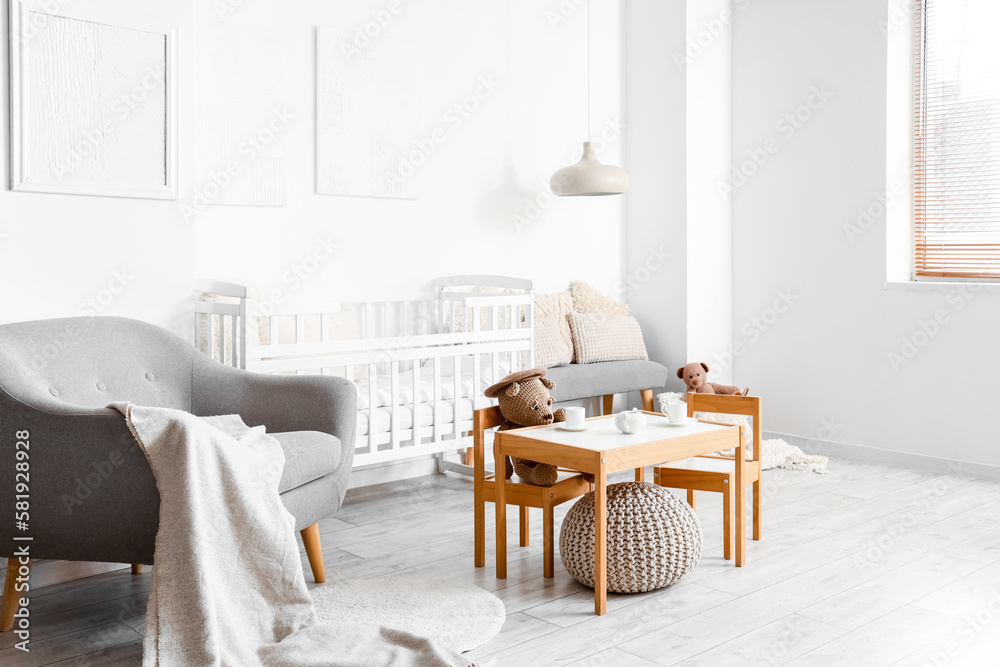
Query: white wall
[[485, 206], [823, 365], [59, 251], [679, 112], [656, 201], [708, 59]]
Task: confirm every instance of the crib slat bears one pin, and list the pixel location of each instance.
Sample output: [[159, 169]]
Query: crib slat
[[477, 390], [244, 334], [437, 398], [395, 404], [416, 401], [529, 324], [222, 338], [458, 389], [372, 404], [272, 325]]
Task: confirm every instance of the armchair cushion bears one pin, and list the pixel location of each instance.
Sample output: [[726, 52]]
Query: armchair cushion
[[309, 455]]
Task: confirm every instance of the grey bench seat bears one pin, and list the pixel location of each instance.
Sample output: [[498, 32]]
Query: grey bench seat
[[577, 381]]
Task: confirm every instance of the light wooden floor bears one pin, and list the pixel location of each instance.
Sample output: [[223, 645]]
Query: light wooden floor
[[870, 565]]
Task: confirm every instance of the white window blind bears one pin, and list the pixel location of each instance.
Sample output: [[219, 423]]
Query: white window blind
[[957, 139]]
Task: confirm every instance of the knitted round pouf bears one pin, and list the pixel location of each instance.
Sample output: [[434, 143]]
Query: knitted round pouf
[[654, 538]]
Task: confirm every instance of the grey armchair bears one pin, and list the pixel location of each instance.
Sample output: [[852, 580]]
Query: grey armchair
[[92, 493]]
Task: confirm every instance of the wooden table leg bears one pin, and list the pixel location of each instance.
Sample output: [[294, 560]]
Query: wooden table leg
[[500, 503], [640, 474], [548, 545], [739, 493], [600, 542]]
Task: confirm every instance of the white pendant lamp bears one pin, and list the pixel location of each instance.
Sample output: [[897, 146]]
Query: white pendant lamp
[[589, 177]]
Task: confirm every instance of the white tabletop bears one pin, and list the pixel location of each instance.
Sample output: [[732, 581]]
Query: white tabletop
[[602, 434]]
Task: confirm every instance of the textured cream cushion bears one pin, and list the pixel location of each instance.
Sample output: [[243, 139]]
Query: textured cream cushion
[[588, 299], [550, 348], [553, 338], [601, 337]]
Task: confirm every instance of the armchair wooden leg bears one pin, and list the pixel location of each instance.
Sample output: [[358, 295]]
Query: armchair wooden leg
[[314, 550], [727, 521], [10, 596], [523, 523], [647, 400], [691, 499], [608, 404], [756, 510], [136, 568]]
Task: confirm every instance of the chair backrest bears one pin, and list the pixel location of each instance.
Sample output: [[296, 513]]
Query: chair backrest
[[730, 405], [89, 362], [483, 420]]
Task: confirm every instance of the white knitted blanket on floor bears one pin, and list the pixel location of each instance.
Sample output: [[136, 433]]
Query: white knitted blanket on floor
[[227, 586], [776, 453]]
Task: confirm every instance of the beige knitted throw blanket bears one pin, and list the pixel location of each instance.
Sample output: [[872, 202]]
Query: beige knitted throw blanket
[[227, 585]]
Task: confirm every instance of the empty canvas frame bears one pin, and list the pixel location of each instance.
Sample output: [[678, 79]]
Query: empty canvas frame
[[368, 110], [93, 107]]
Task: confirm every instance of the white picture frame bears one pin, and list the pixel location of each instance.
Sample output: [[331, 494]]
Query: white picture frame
[[30, 173]]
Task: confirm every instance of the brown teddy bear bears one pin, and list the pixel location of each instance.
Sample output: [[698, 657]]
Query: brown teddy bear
[[695, 376], [525, 401]]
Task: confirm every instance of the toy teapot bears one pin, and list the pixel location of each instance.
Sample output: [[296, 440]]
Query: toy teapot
[[630, 421]]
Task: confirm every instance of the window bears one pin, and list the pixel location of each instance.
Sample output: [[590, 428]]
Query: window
[[956, 187]]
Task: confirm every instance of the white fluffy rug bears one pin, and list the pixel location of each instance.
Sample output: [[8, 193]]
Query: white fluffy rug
[[776, 452], [462, 617]]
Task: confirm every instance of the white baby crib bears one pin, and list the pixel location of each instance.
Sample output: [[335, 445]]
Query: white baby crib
[[420, 362]]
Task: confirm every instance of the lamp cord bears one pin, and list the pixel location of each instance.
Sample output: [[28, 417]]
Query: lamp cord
[[588, 73]]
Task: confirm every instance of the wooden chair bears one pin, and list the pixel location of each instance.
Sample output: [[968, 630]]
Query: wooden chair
[[714, 473], [570, 485]]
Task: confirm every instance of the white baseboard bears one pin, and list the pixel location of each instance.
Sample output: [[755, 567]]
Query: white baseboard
[[393, 471], [49, 572], [890, 456]]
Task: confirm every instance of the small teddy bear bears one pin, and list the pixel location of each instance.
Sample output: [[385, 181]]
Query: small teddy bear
[[525, 401], [695, 376]]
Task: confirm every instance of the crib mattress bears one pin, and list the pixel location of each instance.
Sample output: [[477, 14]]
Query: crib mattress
[[404, 415]]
